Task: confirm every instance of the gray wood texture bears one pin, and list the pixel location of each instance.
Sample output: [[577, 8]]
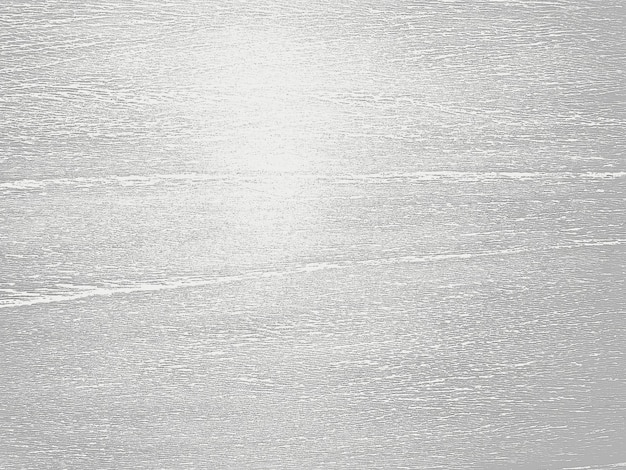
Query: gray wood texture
[[312, 234]]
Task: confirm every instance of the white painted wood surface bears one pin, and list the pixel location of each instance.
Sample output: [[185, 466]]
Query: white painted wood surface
[[274, 234]]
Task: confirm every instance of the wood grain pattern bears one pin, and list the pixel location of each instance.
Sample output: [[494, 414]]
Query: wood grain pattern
[[299, 234]]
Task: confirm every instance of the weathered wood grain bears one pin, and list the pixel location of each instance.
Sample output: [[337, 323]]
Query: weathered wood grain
[[312, 234]]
